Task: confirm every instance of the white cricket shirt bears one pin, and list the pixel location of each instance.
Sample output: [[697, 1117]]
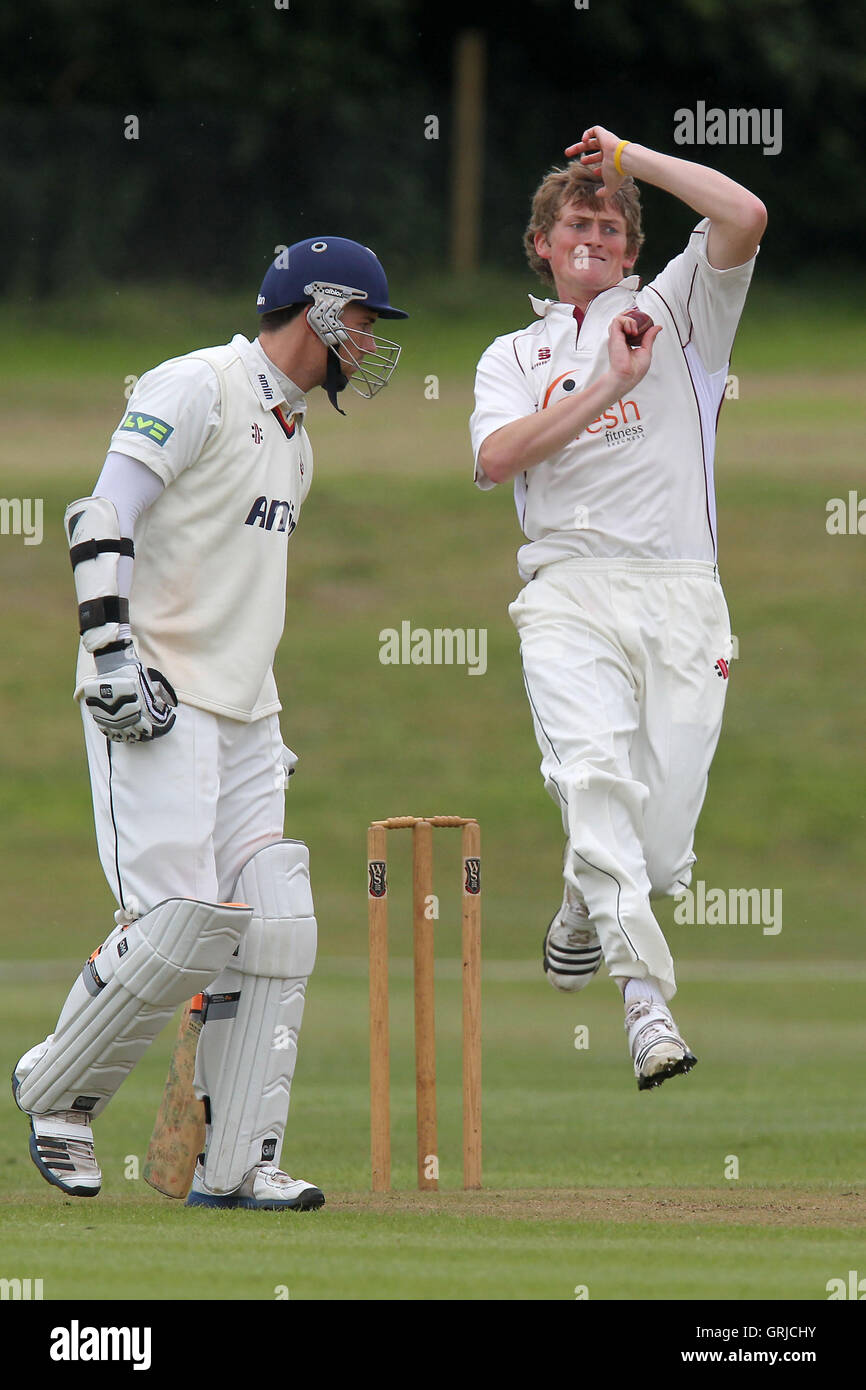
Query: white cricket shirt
[[208, 596], [638, 481]]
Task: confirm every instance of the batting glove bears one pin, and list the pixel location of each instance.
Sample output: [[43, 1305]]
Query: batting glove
[[128, 703]]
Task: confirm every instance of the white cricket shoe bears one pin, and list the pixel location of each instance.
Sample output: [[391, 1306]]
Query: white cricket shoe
[[265, 1188], [61, 1146], [656, 1047], [572, 950]]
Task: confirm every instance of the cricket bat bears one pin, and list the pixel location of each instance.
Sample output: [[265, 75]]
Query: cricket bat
[[179, 1131]]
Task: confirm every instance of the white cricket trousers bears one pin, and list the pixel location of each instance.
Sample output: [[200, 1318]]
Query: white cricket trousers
[[620, 665], [179, 816]]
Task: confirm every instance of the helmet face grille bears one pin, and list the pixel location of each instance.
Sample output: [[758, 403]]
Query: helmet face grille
[[374, 365], [374, 368]]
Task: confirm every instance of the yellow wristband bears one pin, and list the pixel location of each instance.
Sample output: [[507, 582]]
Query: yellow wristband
[[616, 158]]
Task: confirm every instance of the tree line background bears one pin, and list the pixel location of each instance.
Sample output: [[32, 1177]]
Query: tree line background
[[258, 125]]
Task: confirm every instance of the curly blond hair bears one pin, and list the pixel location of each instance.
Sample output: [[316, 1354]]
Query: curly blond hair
[[575, 184]]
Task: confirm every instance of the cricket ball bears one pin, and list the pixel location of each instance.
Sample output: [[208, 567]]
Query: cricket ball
[[641, 322]]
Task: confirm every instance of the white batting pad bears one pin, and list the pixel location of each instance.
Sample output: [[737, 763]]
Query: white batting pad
[[125, 994], [253, 1011]]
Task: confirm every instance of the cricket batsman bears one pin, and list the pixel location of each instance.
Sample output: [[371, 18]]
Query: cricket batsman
[[179, 561], [603, 413]]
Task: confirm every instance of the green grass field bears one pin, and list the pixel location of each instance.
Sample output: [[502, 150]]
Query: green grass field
[[588, 1184]]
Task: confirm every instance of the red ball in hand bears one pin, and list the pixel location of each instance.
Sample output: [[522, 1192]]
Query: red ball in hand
[[641, 322]]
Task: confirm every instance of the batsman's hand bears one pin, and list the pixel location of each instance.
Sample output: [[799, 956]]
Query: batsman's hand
[[128, 703]]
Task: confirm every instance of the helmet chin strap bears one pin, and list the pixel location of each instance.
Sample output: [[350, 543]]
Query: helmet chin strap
[[335, 379]]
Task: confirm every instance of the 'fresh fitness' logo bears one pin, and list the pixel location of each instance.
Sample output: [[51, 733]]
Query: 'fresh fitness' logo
[[619, 423]]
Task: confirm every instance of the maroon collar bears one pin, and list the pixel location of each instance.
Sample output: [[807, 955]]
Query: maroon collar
[[288, 429]]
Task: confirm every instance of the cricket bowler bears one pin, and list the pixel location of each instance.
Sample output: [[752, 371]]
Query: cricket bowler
[[603, 414], [179, 562]]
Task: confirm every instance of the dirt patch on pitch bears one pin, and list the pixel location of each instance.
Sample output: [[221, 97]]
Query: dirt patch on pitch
[[710, 1206]]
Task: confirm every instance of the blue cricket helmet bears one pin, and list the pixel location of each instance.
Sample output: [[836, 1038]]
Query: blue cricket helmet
[[326, 261]]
